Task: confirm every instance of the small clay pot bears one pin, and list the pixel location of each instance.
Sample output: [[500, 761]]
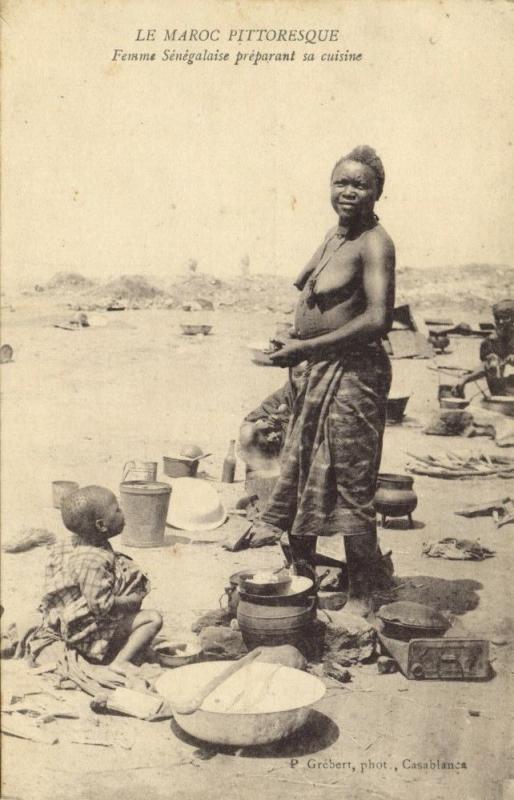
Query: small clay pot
[[395, 408], [395, 497], [232, 591]]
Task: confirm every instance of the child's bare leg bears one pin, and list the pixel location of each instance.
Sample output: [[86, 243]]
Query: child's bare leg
[[138, 630]]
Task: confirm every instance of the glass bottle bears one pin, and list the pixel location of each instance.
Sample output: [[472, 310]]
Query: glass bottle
[[229, 464]]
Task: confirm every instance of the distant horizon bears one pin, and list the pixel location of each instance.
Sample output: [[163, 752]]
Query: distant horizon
[[182, 272]]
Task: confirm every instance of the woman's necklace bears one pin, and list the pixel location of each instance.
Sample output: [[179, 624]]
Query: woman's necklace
[[342, 235]]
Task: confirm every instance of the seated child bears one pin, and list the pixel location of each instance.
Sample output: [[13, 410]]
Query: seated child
[[93, 595]]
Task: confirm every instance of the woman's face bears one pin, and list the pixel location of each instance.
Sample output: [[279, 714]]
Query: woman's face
[[353, 191]]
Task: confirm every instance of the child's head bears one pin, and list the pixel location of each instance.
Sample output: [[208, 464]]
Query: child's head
[[93, 513]]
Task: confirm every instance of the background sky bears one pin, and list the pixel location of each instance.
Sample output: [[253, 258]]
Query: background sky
[[137, 167]]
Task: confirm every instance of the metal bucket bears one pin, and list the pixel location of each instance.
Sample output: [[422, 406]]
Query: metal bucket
[[145, 506], [180, 467], [277, 619], [60, 489], [139, 471]]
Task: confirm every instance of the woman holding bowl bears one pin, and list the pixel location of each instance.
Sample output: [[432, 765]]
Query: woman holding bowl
[[333, 445]]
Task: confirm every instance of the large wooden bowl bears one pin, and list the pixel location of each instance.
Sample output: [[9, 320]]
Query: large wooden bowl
[[261, 703]]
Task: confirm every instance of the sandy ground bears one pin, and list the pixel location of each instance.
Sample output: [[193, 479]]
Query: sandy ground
[[78, 405]]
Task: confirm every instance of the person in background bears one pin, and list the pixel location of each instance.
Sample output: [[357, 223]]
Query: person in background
[[263, 431], [496, 355]]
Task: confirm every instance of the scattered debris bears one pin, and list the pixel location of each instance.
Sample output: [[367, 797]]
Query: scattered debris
[[403, 319], [481, 509], [143, 705], [24, 728], [258, 534], [218, 617], [457, 550], [334, 670], [222, 642], [502, 509], [504, 515], [67, 326], [348, 639], [452, 465], [409, 344], [331, 600], [28, 538], [464, 329], [441, 323], [81, 320], [386, 665], [88, 740], [455, 422], [196, 330], [6, 354], [331, 580]]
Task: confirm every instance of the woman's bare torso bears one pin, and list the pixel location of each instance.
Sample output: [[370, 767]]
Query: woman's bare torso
[[334, 292]]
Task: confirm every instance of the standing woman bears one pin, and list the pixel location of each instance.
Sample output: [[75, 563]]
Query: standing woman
[[333, 446]]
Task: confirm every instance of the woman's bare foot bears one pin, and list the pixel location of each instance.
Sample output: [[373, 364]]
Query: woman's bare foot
[[360, 606]]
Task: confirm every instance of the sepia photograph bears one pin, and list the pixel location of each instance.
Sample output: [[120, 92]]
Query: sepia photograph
[[257, 399]]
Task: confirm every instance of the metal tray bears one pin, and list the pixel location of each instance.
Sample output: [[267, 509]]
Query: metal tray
[[458, 659]]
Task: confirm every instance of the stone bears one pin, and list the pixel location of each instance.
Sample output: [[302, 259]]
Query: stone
[[386, 665], [331, 600], [348, 639], [222, 642], [220, 616], [450, 422], [204, 303], [284, 654], [333, 670], [331, 580]]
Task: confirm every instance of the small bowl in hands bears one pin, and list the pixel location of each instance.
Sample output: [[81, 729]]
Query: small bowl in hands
[[261, 352]]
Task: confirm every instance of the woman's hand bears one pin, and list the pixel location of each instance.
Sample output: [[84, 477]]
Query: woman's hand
[[290, 355]]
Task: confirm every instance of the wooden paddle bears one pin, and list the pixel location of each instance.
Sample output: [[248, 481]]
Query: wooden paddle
[[192, 704]]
